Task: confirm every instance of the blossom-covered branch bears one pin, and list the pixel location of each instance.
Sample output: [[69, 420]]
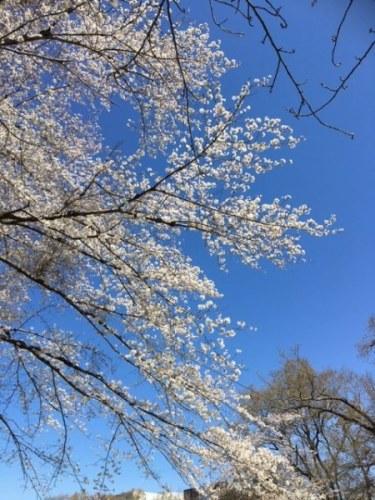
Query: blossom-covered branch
[[98, 296]]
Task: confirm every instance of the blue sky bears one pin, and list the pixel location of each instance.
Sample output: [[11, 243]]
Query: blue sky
[[323, 304]]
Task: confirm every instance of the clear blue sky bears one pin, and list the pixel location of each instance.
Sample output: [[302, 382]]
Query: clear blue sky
[[323, 304]]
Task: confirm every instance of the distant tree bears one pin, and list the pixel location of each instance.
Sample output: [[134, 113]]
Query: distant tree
[[331, 428], [169, 496], [231, 494], [135, 494], [367, 345]]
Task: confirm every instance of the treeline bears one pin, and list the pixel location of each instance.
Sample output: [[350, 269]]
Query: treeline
[[134, 494]]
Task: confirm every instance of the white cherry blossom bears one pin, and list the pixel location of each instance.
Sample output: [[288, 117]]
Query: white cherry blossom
[[98, 293]]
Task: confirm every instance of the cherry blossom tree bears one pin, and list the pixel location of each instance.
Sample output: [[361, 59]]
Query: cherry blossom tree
[[104, 314]]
